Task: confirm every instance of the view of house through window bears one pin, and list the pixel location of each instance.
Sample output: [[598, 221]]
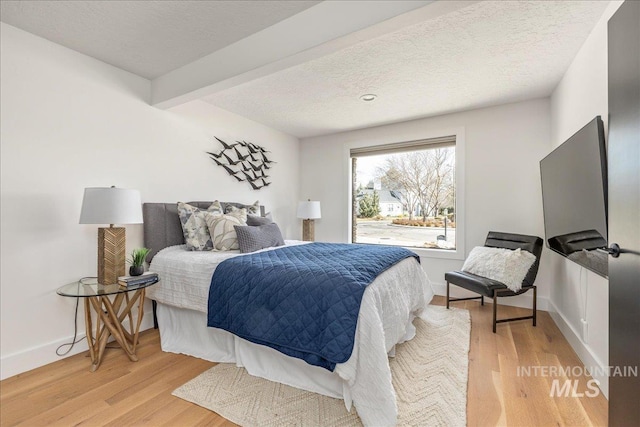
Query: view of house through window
[[404, 194]]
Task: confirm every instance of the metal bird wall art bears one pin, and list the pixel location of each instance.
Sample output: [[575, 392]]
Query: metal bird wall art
[[245, 161]]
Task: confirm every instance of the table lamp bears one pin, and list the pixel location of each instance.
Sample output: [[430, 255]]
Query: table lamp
[[104, 205], [308, 211]]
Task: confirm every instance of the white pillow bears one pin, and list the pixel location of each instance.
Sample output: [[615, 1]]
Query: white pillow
[[503, 265]]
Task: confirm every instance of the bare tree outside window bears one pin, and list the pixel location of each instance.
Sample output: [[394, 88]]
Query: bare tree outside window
[[413, 194]]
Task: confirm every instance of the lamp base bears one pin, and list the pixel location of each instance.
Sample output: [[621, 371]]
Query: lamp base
[[111, 254], [308, 230]]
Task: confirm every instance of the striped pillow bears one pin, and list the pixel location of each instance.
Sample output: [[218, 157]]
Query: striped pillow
[[223, 234]]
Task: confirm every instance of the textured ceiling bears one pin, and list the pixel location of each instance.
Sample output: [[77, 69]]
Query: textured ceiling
[[489, 53], [472, 55], [148, 38]]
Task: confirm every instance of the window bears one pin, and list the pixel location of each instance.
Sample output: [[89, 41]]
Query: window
[[404, 194]]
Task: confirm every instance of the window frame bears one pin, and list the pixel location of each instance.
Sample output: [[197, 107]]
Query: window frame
[[418, 135]]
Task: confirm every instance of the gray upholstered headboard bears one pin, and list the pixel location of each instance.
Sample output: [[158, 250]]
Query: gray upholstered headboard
[[162, 225]]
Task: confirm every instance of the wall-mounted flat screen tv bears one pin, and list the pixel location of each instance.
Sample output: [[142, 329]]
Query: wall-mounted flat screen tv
[[574, 196]]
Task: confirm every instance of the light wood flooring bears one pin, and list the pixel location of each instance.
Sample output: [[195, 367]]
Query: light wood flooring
[[123, 393]]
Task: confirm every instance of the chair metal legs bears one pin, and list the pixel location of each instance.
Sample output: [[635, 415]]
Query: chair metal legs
[[495, 309], [535, 300], [449, 299], [496, 294], [533, 316]]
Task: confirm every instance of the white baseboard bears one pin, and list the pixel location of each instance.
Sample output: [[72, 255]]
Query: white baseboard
[[525, 300], [582, 349], [26, 360]]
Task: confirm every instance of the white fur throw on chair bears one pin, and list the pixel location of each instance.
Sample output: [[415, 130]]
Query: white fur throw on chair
[[503, 265]]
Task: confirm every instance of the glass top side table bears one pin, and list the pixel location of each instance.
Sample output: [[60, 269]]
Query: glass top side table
[[91, 288], [110, 315]]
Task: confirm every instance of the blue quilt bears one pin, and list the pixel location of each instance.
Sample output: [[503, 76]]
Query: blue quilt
[[300, 300]]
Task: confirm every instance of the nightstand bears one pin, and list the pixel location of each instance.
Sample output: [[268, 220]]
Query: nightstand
[[112, 305]]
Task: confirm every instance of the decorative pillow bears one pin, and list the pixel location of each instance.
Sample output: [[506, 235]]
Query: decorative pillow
[[251, 239], [223, 235], [253, 209], [194, 225], [240, 213], [503, 265], [254, 220], [216, 207]]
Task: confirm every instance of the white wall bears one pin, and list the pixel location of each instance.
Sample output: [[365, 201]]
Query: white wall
[[70, 122], [581, 95], [503, 146]]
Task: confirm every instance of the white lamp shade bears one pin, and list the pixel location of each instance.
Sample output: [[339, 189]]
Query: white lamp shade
[[110, 205], [309, 210]]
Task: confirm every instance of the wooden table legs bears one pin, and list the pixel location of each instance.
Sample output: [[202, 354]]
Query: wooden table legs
[[109, 318]]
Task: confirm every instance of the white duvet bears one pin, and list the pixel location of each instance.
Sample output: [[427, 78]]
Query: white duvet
[[388, 307]]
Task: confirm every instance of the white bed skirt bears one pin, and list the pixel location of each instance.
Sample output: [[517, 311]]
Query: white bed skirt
[[185, 331], [389, 304]]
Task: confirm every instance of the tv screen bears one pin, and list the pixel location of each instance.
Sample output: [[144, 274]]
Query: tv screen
[[574, 197]]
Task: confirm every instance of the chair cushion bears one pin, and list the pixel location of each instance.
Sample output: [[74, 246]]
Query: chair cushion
[[496, 239], [480, 285]]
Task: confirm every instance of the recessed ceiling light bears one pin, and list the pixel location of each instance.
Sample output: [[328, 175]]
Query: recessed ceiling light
[[368, 97]]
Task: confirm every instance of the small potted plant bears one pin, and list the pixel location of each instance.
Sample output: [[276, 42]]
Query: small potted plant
[[138, 256]]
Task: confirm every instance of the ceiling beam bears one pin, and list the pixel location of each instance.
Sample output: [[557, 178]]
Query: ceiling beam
[[320, 30]]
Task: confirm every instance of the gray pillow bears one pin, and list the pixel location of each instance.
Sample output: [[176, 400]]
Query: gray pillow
[[254, 220], [254, 238]]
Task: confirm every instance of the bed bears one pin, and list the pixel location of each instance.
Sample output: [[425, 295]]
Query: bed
[[389, 305]]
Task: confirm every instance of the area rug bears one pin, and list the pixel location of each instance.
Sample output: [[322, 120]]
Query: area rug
[[429, 376]]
